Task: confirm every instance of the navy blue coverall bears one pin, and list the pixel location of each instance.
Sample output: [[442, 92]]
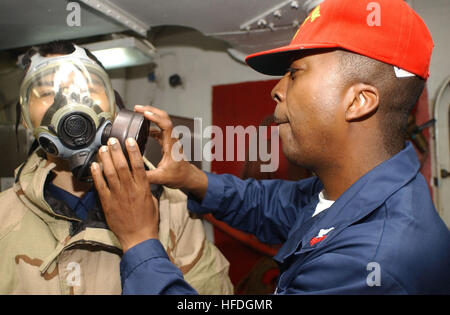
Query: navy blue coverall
[[381, 236]]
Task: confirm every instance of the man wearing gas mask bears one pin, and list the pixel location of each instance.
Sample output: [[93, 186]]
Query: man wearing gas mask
[[54, 238]]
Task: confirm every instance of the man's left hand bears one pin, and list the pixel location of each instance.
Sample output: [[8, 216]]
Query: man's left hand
[[129, 206]]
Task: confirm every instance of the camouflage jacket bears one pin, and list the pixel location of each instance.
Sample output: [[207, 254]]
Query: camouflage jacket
[[45, 249]]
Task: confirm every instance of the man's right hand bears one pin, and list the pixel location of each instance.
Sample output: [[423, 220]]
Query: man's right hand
[[172, 171]]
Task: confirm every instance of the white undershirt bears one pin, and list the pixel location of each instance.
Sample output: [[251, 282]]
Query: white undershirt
[[323, 204]]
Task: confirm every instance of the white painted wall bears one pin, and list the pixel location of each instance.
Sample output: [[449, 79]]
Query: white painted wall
[[200, 70], [436, 14]]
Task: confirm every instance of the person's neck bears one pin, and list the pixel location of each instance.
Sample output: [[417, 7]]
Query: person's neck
[[348, 167], [64, 178]]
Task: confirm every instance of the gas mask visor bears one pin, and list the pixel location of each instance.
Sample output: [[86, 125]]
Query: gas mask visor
[[67, 102]]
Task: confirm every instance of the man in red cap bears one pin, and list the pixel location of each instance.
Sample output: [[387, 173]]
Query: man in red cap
[[366, 223]]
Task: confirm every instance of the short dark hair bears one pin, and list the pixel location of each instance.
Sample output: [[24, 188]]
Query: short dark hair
[[58, 47], [397, 95]]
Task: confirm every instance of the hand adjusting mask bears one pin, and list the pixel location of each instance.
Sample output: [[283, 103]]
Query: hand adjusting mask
[[68, 104]]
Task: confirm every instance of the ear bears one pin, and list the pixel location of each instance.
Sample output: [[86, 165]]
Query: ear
[[362, 102]]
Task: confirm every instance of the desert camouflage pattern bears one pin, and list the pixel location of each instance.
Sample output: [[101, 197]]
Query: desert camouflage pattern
[[39, 256]]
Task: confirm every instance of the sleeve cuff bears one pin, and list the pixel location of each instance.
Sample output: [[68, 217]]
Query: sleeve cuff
[[142, 252], [213, 197]]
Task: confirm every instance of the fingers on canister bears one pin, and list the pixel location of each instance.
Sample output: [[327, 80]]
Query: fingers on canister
[[109, 169], [158, 116], [163, 121], [120, 162], [100, 183], [136, 161]]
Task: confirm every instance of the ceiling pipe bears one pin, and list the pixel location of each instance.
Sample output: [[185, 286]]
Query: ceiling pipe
[[119, 15]]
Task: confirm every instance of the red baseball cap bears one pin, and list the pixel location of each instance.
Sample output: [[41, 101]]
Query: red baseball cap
[[385, 30]]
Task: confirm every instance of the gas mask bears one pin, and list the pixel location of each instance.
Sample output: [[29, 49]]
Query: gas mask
[[68, 104]]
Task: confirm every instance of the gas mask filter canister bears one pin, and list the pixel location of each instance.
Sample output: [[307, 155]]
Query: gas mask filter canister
[[68, 104]]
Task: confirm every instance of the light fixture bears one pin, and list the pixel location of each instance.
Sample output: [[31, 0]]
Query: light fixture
[[122, 52]]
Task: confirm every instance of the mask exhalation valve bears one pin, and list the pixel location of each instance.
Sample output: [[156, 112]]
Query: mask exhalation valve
[[76, 130]]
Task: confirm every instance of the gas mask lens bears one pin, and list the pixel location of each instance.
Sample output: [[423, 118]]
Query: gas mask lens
[[63, 87], [68, 104]]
